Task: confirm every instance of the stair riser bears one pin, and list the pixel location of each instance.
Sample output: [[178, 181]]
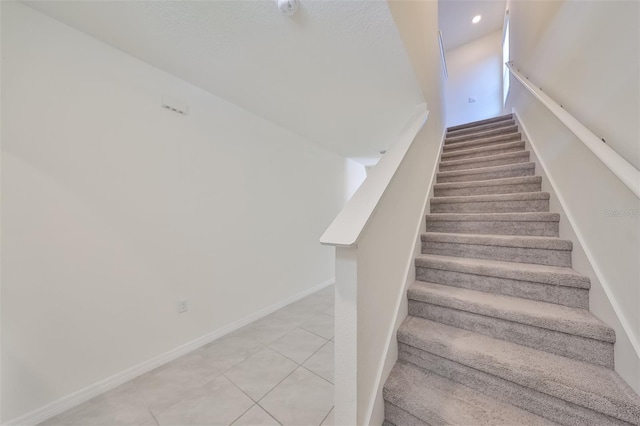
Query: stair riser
[[508, 206], [521, 158], [487, 190], [498, 174], [481, 128], [481, 122], [545, 405], [482, 143], [537, 229], [505, 254], [567, 296], [485, 134], [483, 152], [397, 416], [563, 344]]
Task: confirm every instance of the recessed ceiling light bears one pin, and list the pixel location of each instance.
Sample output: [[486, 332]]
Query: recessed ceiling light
[[476, 19]]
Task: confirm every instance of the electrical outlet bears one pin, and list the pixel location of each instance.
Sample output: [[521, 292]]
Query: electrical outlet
[[183, 306]]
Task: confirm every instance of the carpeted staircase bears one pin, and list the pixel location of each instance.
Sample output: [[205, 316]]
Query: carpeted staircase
[[499, 331]]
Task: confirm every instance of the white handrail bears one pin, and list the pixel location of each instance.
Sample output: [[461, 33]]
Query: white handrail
[[346, 228], [620, 167]]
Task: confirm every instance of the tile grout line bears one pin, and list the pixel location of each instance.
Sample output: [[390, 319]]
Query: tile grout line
[[270, 415], [325, 417]]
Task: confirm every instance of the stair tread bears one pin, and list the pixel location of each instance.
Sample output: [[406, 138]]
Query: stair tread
[[437, 400], [480, 122], [498, 146], [489, 140], [524, 241], [579, 322], [488, 126], [480, 170], [584, 384], [492, 157], [517, 196], [495, 217], [518, 180], [553, 275], [482, 134]]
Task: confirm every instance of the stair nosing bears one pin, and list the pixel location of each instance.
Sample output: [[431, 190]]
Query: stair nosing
[[491, 132], [515, 180], [493, 157], [491, 198], [494, 217], [496, 139], [498, 240], [505, 145], [507, 363], [424, 382], [542, 274], [497, 125], [480, 122], [481, 170], [452, 297]]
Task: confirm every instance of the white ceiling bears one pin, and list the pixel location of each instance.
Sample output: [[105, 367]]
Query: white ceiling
[[336, 72], [454, 19]]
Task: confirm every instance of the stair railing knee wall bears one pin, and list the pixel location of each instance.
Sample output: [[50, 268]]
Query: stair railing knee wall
[[375, 237], [605, 249], [620, 167]]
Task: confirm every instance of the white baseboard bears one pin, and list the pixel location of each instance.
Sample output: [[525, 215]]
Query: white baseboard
[[46, 412]]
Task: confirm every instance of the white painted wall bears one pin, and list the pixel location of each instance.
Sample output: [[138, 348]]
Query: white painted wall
[[475, 70], [585, 56], [340, 60], [114, 208]]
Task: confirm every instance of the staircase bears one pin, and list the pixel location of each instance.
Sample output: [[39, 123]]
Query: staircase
[[499, 331]]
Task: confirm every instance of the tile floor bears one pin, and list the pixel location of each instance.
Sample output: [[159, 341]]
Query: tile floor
[[275, 371]]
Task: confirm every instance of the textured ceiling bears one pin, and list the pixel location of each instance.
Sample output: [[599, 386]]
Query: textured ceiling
[[336, 72], [454, 19]]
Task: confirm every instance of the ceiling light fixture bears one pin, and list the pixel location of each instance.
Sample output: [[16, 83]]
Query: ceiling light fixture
[[476, 19], [287, 7]]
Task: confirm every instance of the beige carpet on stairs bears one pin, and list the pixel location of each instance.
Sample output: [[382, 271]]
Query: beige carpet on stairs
[[499, 331]]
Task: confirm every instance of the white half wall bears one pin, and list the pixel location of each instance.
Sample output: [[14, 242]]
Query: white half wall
[[475, 71], [113, 208]]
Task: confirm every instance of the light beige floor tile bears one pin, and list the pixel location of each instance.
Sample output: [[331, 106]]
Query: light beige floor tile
[[261, 372], [151, 422], [301, 399], [256, 416], [191, 390], [217, 403], [266, 330], [230, 350], [329, 420], [298, 345], [120, 406], [322, 325], [322, 361], [293, 315], [315, 303], [165, 386]]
